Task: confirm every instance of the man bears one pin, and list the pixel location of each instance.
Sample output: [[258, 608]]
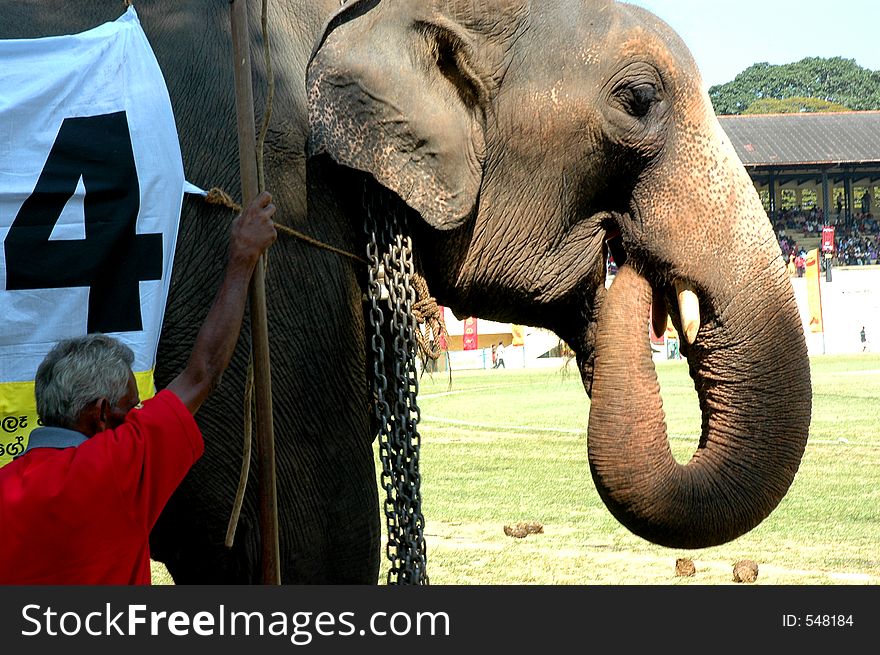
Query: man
[[78, 506], [800, 264], [499, 356]]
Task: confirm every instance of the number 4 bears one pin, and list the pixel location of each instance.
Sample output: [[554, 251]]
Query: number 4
[[113, 258]]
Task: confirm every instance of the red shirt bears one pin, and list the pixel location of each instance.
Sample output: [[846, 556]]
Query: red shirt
[[83, 515]]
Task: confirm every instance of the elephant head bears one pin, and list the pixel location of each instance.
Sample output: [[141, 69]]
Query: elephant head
[[531, 138]]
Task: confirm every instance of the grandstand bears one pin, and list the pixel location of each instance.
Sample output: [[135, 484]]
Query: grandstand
[[823, 156], [813, 170]]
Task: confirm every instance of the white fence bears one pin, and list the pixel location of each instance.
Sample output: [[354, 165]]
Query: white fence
[[850, 301]]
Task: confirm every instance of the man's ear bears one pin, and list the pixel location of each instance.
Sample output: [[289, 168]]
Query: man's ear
[[103, 412], [94, 417]]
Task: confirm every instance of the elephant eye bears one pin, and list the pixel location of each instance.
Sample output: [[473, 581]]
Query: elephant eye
[[637, 99]]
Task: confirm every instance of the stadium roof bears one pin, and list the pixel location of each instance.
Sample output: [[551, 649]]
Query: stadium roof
[[809, 139]]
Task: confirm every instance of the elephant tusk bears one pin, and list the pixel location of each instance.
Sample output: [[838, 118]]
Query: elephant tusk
[[688, 309]]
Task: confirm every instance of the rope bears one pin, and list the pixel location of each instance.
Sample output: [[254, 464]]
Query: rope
[[427, 312], [220, 197], [246, 454], [319, 244], [425, 309]]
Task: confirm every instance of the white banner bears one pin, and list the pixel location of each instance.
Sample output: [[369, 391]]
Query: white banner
[[91, 186]]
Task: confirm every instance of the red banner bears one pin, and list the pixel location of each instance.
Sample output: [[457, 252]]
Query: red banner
[[441, 338], [827, 239], [469, 339]]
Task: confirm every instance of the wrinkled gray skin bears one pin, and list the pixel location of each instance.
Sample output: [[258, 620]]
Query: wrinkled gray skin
[[329, 528], [519, 135], [523, 133]]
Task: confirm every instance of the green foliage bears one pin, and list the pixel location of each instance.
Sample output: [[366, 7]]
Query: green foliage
[[835, 80], [795, 105]]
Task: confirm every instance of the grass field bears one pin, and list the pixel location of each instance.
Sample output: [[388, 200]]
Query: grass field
[[508, 446]]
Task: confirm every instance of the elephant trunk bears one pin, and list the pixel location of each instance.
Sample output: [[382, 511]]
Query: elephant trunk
[[703, 239], [752, 386]]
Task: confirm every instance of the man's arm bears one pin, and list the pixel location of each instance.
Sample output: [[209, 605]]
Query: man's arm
[[252, 233]]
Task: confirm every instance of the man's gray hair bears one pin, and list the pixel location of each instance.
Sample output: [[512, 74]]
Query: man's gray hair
[[77, 372]]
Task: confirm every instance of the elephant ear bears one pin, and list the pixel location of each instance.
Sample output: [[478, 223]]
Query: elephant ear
[[404, 98], [347, 10]]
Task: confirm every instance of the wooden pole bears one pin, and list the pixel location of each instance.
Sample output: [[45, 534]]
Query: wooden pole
[[265, 438]]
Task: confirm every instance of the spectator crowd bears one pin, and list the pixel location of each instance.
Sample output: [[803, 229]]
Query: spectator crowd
[[856, 243]]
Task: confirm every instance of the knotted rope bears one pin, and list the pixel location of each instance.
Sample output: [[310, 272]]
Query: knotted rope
[[427, 312]]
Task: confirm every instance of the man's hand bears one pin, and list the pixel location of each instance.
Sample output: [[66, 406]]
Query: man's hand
[[253, 231]]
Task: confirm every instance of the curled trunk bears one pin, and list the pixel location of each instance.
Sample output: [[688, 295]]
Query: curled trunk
[[752, 383]]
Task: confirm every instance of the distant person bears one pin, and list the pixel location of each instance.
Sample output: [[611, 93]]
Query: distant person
[[430, 364], [499, 356], [866, 203], [864, 339]]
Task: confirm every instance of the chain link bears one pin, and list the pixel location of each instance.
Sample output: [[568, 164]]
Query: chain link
[[391, 298]]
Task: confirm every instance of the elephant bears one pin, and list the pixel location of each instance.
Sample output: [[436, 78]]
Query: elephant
[[526, 143]]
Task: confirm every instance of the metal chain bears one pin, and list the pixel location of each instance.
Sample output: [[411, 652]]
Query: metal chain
[[391, 297]]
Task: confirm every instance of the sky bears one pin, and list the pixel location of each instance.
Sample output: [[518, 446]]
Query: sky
[[727, 37]]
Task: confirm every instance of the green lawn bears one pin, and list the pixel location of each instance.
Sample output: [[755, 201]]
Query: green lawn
[[510, 445]]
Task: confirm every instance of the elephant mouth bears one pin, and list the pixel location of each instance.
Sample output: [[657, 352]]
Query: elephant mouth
[[676, 309]]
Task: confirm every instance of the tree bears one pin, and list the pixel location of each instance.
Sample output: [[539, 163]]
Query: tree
[[795, 105], [835, 80]]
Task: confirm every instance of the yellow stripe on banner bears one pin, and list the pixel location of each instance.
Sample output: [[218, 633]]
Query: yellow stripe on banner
[[814, 292], [18, 413], [146, 387], [18, 416]]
